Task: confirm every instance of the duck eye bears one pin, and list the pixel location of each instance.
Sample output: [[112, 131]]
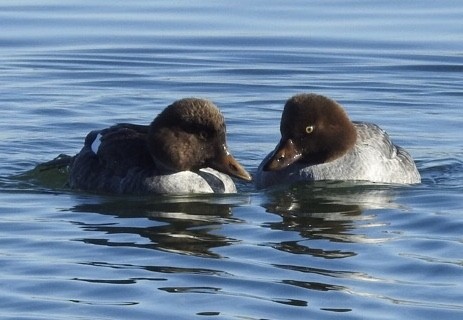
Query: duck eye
[[203, 134], [309, 129]]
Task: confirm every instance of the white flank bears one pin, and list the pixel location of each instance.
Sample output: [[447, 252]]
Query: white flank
[[96, 143]]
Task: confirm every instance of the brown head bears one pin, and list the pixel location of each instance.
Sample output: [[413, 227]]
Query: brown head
[[314, 129], [190, 135]]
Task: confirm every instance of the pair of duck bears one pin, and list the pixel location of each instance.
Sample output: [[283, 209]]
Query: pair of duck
[[184, 150]]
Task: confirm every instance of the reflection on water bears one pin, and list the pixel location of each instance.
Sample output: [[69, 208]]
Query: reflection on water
[[192, 225], [323, 197], [52, 174], [336, 211], [184, 224]]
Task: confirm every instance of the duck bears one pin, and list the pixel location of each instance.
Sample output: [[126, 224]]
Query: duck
[[319, 142], [183, 150]]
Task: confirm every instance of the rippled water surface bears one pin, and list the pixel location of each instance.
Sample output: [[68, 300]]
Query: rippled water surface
[[318, 251]]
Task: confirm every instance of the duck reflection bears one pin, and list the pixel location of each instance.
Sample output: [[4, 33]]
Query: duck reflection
[[183, 224], [327, 210]]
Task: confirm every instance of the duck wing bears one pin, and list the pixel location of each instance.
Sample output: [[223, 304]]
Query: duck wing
[[121, 147], [110, 156], [397, 163]]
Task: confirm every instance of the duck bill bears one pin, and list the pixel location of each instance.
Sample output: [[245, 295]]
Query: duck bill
[[285, 154], [227, 164]]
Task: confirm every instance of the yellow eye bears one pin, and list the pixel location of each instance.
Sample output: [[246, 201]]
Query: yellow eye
[[309, 129]]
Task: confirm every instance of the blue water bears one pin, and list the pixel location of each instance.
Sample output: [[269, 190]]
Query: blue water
[[320, 251]]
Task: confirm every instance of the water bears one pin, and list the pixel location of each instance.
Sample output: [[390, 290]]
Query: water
[[321, 251]]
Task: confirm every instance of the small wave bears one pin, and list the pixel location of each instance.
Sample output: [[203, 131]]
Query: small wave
[[446, 172]]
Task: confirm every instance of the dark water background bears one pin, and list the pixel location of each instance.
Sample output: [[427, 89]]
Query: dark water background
[[321, 251]]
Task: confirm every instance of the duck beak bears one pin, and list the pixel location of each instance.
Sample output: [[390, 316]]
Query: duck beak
[[285, 154], [225, 163]]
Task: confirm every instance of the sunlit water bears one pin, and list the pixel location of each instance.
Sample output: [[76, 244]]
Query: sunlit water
[[320, 251]]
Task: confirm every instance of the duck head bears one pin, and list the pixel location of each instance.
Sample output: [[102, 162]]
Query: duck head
[[190, 135], [314, 129]]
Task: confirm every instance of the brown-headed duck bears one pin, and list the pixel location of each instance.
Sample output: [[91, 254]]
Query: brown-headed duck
[[320, 142], [183, 150]]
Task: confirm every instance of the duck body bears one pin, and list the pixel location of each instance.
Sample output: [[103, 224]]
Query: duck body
[[174, 154], [373, 158], [124, 166], [368, 153]]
